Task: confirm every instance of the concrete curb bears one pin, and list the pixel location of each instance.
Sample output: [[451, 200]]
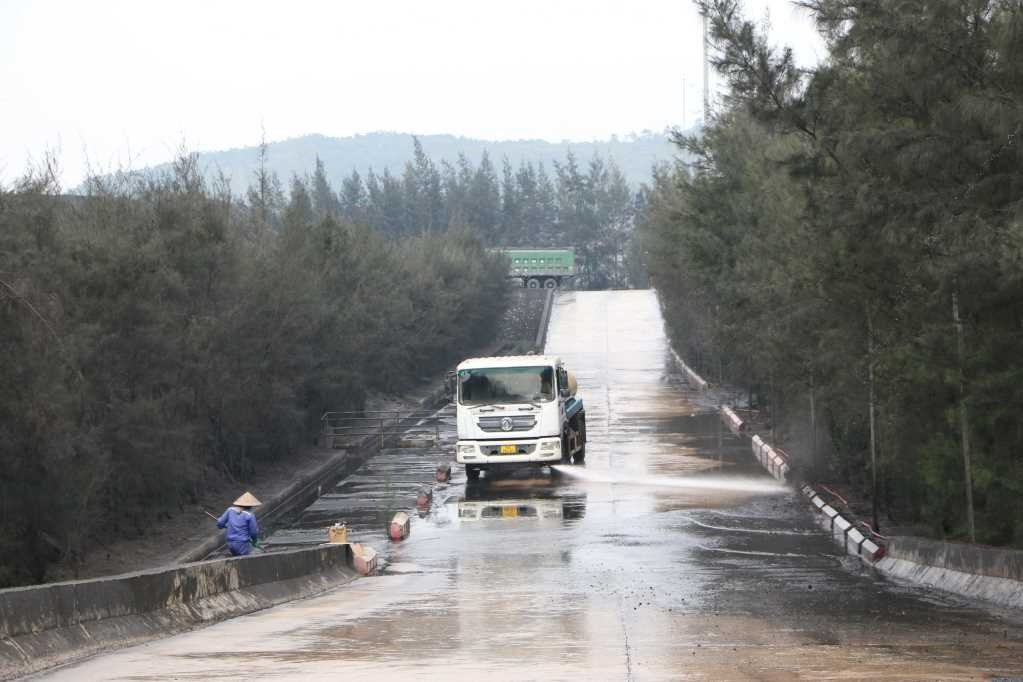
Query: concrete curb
[[842, 530], [691, 376], [49, 625]]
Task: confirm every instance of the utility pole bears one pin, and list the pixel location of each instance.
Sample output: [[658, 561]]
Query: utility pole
[[706, 69]]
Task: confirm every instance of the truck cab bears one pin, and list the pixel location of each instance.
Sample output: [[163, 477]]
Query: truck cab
[[517, 411]]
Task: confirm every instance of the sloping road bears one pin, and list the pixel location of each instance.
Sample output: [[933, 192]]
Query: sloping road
[[670, 555]]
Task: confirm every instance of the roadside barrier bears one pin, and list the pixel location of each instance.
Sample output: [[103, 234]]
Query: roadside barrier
[[47, 625], [842, 530], [692, 378], [424, 499], [401, 526], [734, 422], [771, 459], [989, 574], [364, 559]]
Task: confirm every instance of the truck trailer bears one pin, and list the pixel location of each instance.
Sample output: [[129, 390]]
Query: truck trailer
[[536, 268], [517, 411]]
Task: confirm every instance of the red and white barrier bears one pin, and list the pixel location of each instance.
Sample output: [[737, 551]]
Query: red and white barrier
[[424, 499], [842, 529], [364, 559], [692, 377], [733, 421], [770, 459], [401, 526]]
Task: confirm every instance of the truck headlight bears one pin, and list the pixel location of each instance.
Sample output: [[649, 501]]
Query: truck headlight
[[549, 446], [467, 449]]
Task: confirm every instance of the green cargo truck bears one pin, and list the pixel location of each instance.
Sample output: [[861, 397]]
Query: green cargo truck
[[547, 268]]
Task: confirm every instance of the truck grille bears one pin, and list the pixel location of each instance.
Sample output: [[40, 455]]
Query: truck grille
[[498, 424]]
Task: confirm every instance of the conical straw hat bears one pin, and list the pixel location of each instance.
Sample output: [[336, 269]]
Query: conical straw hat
[[247, 500]]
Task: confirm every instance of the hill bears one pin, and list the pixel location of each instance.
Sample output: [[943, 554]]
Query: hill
[[634, 154]]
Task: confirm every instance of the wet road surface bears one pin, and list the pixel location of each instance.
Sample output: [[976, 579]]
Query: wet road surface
[[669, 555]]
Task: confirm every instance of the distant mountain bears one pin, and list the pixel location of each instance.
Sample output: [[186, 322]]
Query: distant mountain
[[634, 154]]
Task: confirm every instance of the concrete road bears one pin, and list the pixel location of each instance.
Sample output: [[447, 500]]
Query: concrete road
[[669, 556]]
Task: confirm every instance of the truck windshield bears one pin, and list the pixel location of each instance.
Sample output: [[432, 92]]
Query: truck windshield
[[497, 385]]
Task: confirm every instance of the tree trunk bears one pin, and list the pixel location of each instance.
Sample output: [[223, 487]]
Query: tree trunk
[[814, 464], [873, 432], [964, 431]]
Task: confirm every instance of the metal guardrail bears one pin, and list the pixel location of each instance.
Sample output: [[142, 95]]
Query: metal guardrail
[[345, 428]]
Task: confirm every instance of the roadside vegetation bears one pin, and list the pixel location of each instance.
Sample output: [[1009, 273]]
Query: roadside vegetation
[[158, 331], [849, 247]]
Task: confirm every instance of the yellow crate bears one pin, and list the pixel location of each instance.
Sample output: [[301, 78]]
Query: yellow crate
[[337, 534]]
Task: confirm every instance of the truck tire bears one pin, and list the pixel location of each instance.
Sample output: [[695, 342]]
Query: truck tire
[[580, 456], [550, 283], [533, 283], [472, 472]]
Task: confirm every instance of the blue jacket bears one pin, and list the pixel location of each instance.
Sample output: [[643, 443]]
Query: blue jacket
[[241, 528]]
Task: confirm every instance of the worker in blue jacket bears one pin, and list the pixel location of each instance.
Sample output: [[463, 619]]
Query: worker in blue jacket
[[242, 531]]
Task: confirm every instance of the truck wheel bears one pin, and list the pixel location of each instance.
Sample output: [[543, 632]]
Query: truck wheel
[[472, 472], [533, 283], [550, 283], [580, 424], [566, 451]]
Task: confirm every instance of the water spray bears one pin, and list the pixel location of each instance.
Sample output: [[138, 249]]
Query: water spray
[[725, 483]]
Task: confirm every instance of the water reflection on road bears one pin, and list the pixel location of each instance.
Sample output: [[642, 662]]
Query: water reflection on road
[[671, 555]]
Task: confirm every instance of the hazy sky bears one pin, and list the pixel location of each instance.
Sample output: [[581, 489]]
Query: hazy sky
[[128, 83]]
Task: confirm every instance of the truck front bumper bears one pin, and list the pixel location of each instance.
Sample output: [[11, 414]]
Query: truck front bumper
[[534, 450]]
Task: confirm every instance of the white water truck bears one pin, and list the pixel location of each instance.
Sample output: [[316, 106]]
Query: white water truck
[[517, 411]]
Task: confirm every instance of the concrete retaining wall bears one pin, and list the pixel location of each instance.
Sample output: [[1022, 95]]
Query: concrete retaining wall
[[958, 556], [985, 573], [48, 625]]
